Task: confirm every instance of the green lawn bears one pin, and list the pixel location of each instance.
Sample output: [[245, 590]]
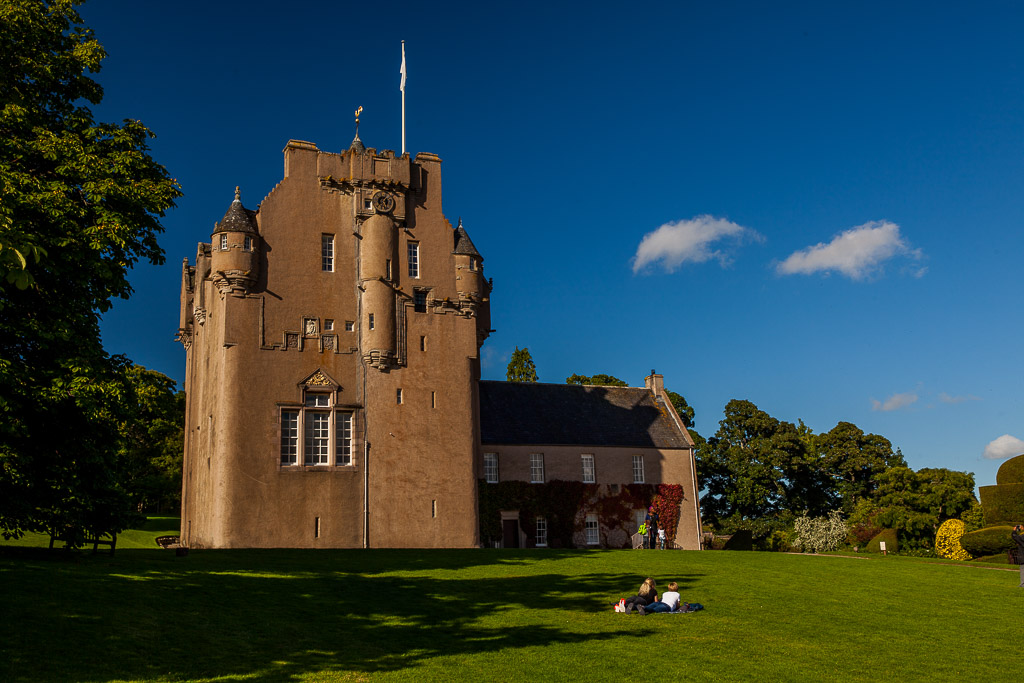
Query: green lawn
[[148, 615]]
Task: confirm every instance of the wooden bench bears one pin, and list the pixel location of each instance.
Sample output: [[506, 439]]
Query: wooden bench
[[69, 537], [172, 543]]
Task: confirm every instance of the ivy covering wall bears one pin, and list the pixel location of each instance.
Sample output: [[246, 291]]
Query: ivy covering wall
[[566, 504]]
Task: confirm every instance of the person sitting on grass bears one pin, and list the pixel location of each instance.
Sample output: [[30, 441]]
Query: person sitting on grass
[[646, 595], [669, 600]]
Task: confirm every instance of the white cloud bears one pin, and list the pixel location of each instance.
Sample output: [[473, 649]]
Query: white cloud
[[946, 398], [895, 402], [856, 253], [678, 242], [493, 359], [1004, 447]]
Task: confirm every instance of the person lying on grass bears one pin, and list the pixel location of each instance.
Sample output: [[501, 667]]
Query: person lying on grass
[[646, 595], [669, 601]]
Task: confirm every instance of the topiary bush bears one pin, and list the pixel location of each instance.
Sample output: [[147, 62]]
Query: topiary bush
[[887, 535], [993, 559], [947, 540], [1011, 471], [991, 540], [1003, 503]]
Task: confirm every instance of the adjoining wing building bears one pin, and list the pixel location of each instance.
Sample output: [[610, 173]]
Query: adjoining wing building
[[333, 386]]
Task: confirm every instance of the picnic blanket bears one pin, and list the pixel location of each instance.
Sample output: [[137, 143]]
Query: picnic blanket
[[686, 608]]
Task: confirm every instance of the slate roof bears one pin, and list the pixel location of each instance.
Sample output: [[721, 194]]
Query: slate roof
[[237, 219], [464, 245], [568, 414]]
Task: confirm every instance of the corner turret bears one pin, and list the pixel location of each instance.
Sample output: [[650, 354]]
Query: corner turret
[[234, 247], [474, 291]]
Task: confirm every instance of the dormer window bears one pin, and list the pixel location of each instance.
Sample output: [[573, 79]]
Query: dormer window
[[223, 242]]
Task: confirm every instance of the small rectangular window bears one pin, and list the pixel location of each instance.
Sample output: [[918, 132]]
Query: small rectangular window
[[414, 259], [542, 532], [398, 395], [419, 299], [370, 321], [316, 527], [593, 531], [638, 469], [367, 204], [344, 439], [472, 263], [349, 325], [433, 399], [588, 468], [491, 468], [289, 437], [423, 343], [223, 242], [327, 253], [536, 468], [433, 508], [328, 324], [387, 269], [248, 243]]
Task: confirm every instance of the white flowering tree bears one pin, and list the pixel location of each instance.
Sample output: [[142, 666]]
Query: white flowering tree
[[819, 534]]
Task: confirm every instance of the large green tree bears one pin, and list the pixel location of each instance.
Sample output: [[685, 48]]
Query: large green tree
[[80, 204], [520, 367], [853, 459], [757, 470], [153, 440], [915, 503]]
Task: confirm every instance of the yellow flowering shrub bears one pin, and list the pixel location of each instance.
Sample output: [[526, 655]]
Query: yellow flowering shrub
[[947, 540]]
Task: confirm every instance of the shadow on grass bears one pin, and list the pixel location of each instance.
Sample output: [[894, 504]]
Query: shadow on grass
[[270, 615]]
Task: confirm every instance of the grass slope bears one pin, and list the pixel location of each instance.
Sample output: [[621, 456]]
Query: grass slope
[[247, 615]]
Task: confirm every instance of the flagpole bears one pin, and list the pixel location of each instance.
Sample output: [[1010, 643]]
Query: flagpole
[[403, 97]]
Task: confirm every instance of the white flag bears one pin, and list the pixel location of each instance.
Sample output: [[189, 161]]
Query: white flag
[[402, 71]]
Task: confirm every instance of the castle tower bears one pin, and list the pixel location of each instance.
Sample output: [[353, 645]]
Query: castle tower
[[235, 249], [332, 346]]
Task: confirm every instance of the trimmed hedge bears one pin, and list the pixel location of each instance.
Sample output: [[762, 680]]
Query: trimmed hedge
[[1011, 471], [991, 540], [891, 544], [1003, 503], [741, 540]]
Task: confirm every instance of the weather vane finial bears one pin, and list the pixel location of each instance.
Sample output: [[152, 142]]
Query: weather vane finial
[[359, 111], [238, 193]]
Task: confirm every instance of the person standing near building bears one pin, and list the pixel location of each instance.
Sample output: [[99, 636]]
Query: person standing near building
[[651, 521]]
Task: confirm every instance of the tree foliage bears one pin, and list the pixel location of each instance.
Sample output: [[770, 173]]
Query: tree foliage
[[758, 468], [596, 380], [915, 503], [853, 459], [521, 367], [80, 204], [152, 440], [686, 413]]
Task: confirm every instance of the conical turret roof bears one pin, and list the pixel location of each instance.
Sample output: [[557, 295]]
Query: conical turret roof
[[357, 144], [238, 218], [464, 245]]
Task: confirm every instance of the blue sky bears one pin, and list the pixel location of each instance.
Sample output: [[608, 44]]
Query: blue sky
[[813, 206]]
